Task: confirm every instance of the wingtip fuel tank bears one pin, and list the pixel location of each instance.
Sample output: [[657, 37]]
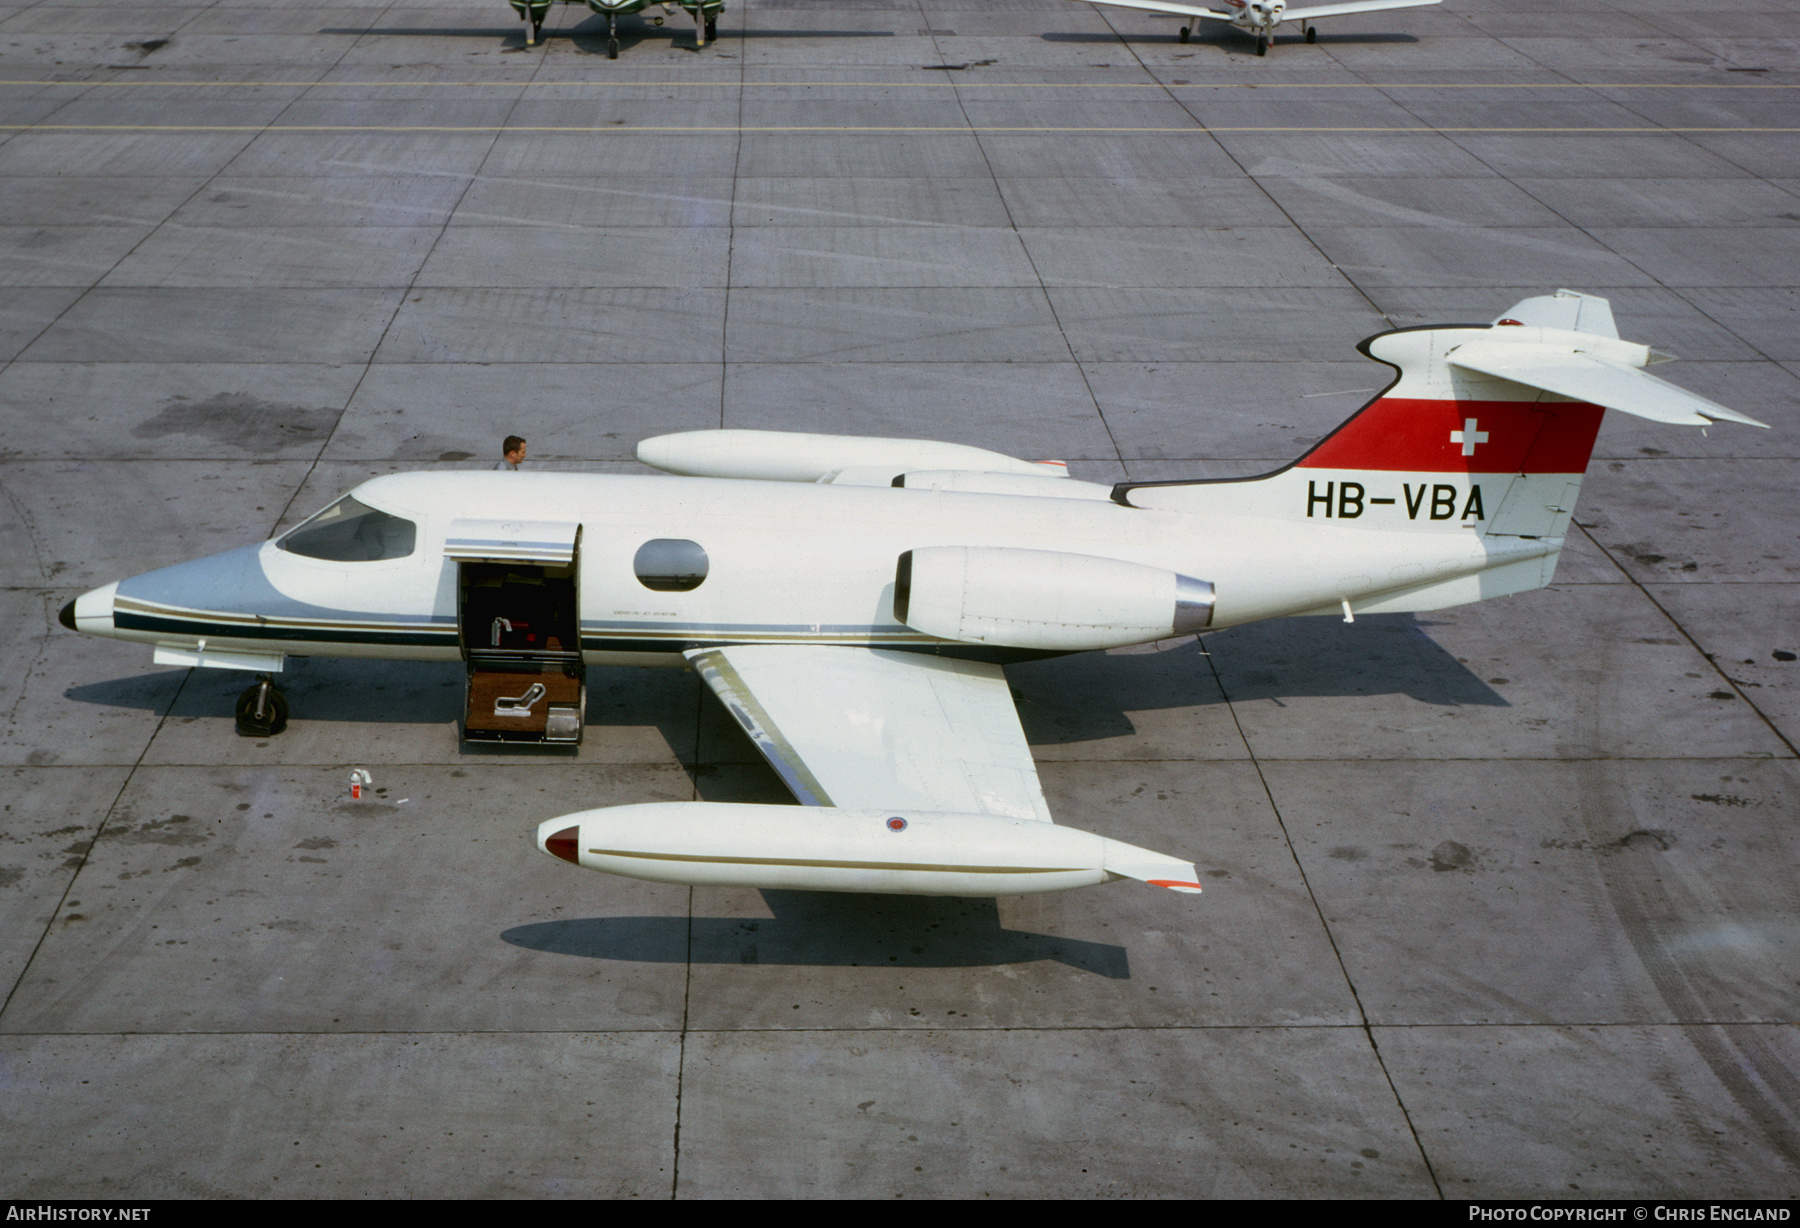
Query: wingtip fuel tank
[[892, 852], [798, 456]]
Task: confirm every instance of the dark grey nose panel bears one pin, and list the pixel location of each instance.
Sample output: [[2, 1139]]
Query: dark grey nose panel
[[67, 616]]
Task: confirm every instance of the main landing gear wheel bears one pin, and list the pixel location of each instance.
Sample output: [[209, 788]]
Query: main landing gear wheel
[[712, 28], [1312, 34], [262, 710], [1184, 33]]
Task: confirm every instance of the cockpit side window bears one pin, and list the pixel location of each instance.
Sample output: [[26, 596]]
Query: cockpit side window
[[352, 532]]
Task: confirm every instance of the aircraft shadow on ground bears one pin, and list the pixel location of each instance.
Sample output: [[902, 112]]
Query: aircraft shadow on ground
[[318, 688], [344, 690], [1089, 696], [1078, 698], [826, 929]]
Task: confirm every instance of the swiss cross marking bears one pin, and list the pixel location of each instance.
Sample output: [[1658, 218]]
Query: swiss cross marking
[[1468, 437]]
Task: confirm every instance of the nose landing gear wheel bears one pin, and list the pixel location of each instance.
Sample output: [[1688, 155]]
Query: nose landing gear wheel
[[1262, 44], [532, 14], [612, 37], [262, 710]]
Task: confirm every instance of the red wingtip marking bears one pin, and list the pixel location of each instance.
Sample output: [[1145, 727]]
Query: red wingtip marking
[[564, 845], [1171, 882]]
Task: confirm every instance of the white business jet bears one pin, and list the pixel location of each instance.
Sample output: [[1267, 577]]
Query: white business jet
[[851, 600], [1260, 17]]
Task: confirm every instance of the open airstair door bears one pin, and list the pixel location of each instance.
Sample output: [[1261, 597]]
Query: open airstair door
[[518, 622]]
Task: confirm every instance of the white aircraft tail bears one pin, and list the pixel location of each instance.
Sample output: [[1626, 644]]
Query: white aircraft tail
[[1487, 427], [1485, 432]]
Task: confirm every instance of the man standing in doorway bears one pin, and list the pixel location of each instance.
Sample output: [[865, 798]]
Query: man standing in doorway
[[514, 452]]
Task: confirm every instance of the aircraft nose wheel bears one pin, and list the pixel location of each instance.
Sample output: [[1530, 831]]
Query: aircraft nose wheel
[[1262, 44], [612, 37], [533, 17], [262, 710]]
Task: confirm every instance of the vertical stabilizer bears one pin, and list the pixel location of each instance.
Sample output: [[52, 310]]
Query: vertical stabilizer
[[1443, 449], [1462, 473], [1566, 310]]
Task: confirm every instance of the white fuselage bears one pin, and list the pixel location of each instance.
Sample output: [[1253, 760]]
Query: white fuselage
[[1257, 15], [788, 563]]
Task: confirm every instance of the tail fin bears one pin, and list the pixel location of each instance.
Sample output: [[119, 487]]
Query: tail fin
[[1486, 427], [1483, 436]]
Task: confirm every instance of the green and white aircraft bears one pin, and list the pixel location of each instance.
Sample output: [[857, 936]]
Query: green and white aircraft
[[704, 12]]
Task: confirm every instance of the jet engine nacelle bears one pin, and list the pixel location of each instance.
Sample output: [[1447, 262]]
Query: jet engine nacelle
[[1044, 599]]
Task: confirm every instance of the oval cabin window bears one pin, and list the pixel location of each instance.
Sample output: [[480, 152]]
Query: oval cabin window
[[670, 565]]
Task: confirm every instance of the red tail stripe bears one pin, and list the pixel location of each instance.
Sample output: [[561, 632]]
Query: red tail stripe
[[1429, 436]]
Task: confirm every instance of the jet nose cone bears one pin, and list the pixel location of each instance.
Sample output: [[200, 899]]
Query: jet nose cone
[[561, 842], [91, 613]]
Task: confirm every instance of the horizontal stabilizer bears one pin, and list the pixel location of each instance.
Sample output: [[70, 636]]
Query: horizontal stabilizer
[[1355, 6], [1596, 380]]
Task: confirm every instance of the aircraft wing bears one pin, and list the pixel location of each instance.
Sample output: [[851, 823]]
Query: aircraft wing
[[1180, 10], [1355, 6], [869, 728]]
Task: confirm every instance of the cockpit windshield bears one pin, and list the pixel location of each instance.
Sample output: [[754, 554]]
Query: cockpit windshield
[[352, 532]]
